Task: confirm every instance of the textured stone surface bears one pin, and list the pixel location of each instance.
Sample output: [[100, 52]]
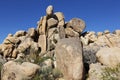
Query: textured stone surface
[[51, 23], [49, 10], [109, 56], [16, 71], [70, 32], [69, 58], [76, 24]]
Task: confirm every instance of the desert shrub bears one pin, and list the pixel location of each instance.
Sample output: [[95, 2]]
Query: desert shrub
[[111, 73], [47, 74]]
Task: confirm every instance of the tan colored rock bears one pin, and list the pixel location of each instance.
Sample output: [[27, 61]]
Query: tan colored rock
[[117, 32], [42, 42], [84, 40], [15, 53], [49, 10], [91, 36], [39, 24], [70, 32], [25, 45], [104, 41], [60, 18], [32, 32], [69, 58], [76, 24], [42, 26], [99, 34], [52, 23], [61, 31], [6, 50], [95, 71], [109, 56], [106, 32], [20, 33], [11, 40], [16, 71]]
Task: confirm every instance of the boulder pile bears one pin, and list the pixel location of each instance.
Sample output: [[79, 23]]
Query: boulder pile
[[65, 46]]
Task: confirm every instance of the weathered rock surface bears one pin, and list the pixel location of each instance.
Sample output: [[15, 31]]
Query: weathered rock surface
[[95, 72], [109, 56], [16, 71], [76, 24], [65, 45], [69, 58]]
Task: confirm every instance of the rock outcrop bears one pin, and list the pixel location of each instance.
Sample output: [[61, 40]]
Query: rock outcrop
[[57, 44]]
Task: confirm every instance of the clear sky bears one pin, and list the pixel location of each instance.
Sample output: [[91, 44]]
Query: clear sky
[[99, 15]]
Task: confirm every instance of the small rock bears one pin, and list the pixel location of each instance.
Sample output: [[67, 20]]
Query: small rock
[[20, 33], [49, 10], [99, 34], [106, 32]]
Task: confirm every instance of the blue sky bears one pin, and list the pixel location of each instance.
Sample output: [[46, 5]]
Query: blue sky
[[99, 15]]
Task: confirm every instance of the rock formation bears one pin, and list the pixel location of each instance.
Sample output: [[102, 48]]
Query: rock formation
[[56, 44]]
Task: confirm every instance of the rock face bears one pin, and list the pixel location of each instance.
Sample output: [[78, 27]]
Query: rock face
[[16, 71], [109, 56], [69, 58]]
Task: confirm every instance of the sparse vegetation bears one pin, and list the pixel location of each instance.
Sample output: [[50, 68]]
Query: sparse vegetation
[[111, 73], [48, 74]]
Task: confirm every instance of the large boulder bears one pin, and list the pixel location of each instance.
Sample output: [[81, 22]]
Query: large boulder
[[109, 56], [76, 24], [69, 58], [16, 71]]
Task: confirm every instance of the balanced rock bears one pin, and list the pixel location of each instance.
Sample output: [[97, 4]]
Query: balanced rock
[[49, 10], [69, 58], [76, 24]]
